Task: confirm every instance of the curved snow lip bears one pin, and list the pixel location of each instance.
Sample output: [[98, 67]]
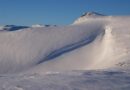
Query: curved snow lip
[[71, 47]]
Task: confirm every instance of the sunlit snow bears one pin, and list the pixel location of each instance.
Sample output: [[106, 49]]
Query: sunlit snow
[[93, 53]]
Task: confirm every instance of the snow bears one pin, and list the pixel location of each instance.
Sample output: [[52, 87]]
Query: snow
[[38, 25], [74, 80], [12, 27], [103, 51], [91, 54], [88, 16], [26, 48], [1, 27]]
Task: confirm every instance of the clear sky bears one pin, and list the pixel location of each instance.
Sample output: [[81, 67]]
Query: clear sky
[[28, 12]]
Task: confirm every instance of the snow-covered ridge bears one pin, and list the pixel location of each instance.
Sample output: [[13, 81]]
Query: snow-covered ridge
[[88, 16], [91, 14], [41, 25], [17, 27], [75, 47], [91, 54], [12, 27]]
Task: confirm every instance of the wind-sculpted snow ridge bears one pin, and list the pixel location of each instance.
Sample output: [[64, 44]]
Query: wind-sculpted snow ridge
[[109, 49], [20, 50], [101, 43], [91, 54], [71, 47]]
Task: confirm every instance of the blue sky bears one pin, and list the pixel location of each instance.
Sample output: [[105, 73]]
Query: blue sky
[[63, 12]]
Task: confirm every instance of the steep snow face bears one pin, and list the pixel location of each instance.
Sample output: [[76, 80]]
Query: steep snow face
[[88, 15], [108, 50], [87, 55], [22, 49], [100, 43]]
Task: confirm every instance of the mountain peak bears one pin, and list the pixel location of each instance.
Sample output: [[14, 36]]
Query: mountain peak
[[92, 14], [87, 15]]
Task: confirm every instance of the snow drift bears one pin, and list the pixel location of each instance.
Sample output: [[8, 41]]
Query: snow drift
[[93, 53], [93, 41]]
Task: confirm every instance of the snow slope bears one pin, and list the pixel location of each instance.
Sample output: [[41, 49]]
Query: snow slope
[[75, 80], [91, 54], [88, 16], [25, 48], [98, 43], [107, 47]]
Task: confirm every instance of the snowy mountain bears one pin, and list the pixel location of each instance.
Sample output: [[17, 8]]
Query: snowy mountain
[[94, 51], [88, 15], [40, 25], [99, 41], [12, 27], [91, 14]]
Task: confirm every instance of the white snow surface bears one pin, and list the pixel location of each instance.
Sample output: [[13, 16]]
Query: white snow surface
[[74, 80], [38, 25], [91, 54], [88, 16]]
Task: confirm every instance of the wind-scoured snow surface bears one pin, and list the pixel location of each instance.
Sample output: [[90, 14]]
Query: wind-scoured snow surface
[[74, 80], [45, 58]]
